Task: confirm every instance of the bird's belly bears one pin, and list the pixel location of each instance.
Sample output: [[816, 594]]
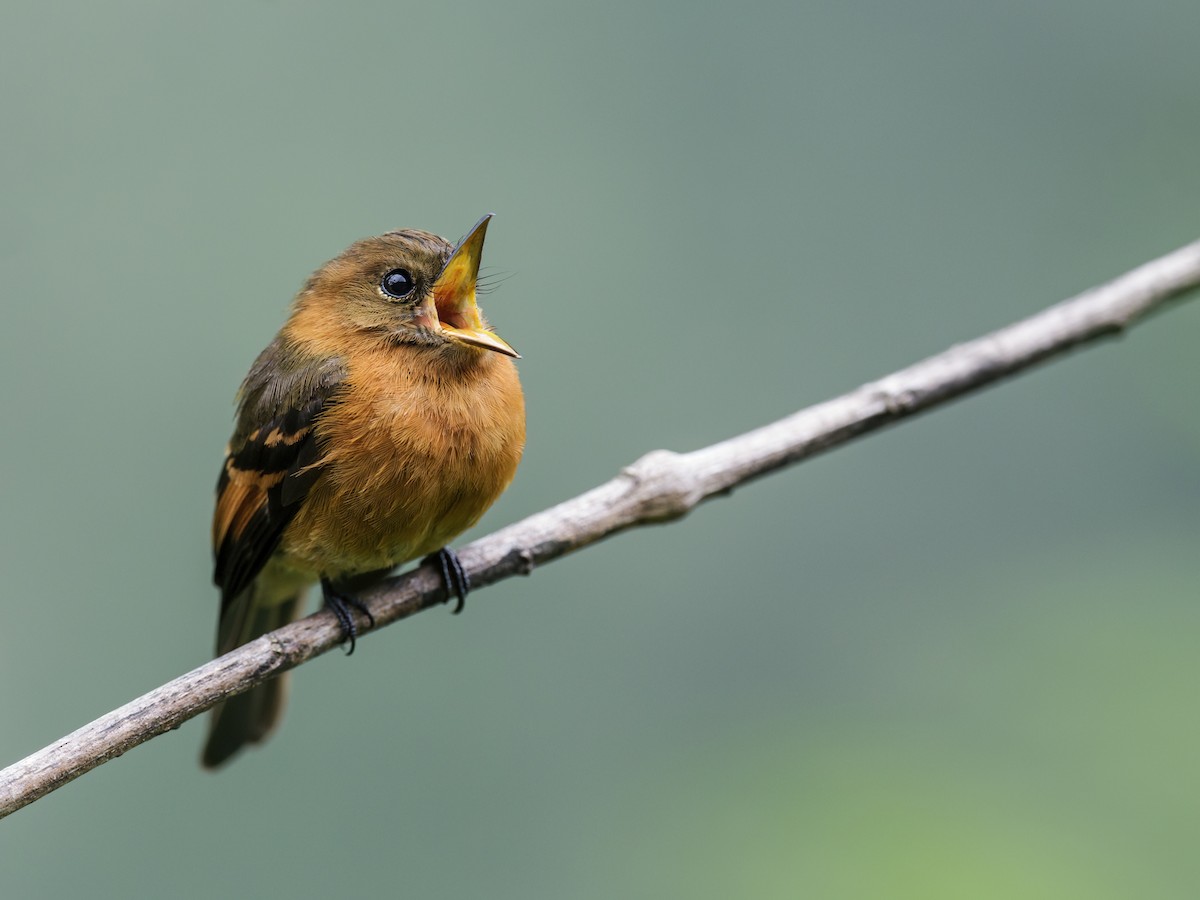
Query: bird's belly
[[405, 486]]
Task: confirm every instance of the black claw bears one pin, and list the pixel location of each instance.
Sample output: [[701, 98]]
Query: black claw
[[340, 605], [454, 576]]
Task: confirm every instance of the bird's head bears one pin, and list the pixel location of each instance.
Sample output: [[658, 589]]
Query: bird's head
[[408, 287]]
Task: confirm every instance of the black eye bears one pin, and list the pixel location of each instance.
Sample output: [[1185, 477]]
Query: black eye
[[397, 283]]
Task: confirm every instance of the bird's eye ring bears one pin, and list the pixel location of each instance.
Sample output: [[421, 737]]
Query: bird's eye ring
[[397, 283]]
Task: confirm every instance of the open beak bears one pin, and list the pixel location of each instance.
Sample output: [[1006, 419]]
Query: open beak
[[455, 311]]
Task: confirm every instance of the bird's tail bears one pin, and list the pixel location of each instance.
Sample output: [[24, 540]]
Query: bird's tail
[[250, 717]]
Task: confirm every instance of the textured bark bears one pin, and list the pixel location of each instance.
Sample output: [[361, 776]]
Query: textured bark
[[659, 487]]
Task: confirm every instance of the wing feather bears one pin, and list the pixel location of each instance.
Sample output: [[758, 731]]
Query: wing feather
[[271, 463]]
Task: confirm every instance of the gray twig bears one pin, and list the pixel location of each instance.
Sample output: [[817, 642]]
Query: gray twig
[[659, 487]]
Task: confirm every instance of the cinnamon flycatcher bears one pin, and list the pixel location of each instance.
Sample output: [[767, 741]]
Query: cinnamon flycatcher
[[381, 422]]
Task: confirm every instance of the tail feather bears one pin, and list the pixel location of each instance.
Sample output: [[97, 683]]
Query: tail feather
[[250, 717]]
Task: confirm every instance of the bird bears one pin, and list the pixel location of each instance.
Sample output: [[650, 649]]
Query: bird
[[381, 422]]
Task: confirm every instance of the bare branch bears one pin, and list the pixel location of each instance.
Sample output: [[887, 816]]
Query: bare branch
[[659, 487]]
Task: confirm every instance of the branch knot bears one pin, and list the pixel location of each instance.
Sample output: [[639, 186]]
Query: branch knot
[[661, 488]]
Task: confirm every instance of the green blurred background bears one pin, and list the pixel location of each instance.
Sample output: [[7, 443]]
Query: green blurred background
[[956, 659]]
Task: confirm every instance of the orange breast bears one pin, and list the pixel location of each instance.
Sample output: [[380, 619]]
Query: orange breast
[[415, 452]]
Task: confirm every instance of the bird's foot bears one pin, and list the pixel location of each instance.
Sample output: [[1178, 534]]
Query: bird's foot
[[340, 605], [454, 576]]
